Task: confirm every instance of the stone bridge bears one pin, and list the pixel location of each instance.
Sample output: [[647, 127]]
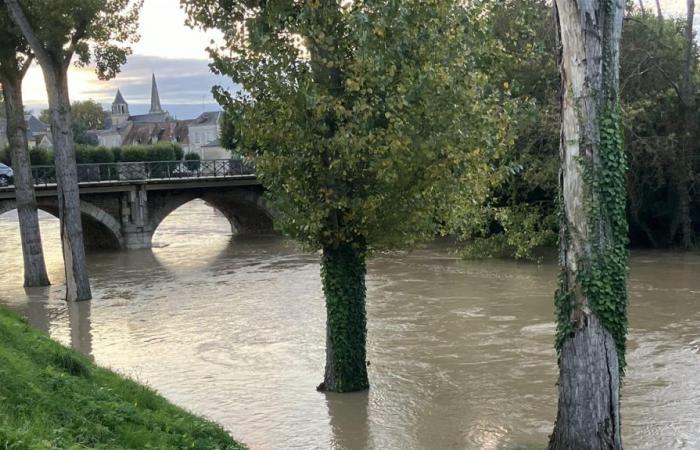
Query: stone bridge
[[124, 214]]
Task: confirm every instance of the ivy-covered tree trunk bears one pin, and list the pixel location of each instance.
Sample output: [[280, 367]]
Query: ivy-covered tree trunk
[[343, 273], [32, 250], [592, 299], [77, 281]]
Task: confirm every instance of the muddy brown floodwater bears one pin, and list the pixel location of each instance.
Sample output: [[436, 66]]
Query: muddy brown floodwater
[[461, 351]]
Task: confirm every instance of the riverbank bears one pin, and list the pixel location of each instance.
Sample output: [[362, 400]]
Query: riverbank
[[53, 397]]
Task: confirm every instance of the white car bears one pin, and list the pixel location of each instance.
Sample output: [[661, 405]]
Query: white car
[[6, 174]]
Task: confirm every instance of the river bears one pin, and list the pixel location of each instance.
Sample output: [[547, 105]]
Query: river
[[460, 352]]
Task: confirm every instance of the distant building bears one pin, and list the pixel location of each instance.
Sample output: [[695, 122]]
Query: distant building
[[38, 133], [199, 135]]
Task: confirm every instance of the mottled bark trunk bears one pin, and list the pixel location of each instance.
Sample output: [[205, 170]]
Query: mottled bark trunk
[[343, 273], [77, 281], [591, 301], [32, 250], [54, 61]]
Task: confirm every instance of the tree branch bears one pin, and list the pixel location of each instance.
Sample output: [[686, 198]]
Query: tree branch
[[79, 34], [23, 69], [20, 19]]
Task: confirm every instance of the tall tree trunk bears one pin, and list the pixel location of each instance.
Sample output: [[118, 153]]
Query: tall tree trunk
[[54, 62], [659, 13], [77, 281], [32, 250], [592, 299], [343, 273], [689, 134]]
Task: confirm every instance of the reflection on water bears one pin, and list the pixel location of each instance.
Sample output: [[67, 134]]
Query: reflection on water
[[461, 352]]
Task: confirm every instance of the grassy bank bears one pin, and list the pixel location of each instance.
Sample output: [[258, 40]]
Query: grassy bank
[[53, 398]]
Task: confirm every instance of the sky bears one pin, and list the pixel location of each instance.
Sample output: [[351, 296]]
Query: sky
[[176, 55], [172, 51]]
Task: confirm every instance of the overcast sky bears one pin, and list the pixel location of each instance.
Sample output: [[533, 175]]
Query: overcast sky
[[177, 56]]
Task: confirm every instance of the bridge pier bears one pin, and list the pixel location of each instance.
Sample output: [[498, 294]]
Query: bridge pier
[[136, 229]]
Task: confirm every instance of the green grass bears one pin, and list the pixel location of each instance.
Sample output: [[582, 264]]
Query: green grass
[[54, 398]]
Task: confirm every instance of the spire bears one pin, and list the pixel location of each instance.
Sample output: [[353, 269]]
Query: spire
[[119, 100], [155, 99], [119, 105]]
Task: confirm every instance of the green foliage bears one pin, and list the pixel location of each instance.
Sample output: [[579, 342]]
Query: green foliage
[[192, 160], [40, 157], [523, 213], [157, 152], [117, 152], [53, 397], [364, 121], [178, 152], [85, 154], [96, 32], [343, 273], [37, 157], [89, 114], [5, 156], [659, 138]]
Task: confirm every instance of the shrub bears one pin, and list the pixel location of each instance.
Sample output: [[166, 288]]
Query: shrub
[[133, 153], [177, 149], [117, 153], [5, 157], [88, 154], [40, 156], [161, 152], [192, 161]]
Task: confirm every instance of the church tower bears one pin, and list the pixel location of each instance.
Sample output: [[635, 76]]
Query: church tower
[[155, 98], [120, 110]]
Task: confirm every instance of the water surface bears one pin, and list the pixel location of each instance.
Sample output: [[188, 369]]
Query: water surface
[[460, 352]]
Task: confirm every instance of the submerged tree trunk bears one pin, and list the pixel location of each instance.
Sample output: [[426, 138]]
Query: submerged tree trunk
[[592, 299], [54, 62], [32, 250], [343, 273], [77, 281]]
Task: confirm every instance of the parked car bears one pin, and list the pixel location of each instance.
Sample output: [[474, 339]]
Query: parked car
[[6, 175]]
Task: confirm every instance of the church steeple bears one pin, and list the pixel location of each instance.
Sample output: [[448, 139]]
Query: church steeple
[[155, 99], [119, 105]]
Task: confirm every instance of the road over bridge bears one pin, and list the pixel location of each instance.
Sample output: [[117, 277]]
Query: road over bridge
[[122, 204]]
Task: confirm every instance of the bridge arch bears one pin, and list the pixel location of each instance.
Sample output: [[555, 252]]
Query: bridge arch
[[100, 229], [243, 208]]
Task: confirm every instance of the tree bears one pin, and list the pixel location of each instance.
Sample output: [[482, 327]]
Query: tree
[[591, 301], [365, 120], [688, 106], [93, 31], [87, 115], [15, 59]]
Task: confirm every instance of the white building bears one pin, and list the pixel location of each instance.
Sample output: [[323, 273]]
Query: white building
[[199, 135]]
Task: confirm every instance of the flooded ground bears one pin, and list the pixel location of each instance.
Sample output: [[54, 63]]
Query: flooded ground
[[461, 351]]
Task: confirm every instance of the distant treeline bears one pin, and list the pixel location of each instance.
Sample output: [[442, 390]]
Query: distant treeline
[[89, 154]]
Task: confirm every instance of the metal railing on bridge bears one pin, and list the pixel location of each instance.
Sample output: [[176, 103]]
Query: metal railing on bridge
[[147, 170]]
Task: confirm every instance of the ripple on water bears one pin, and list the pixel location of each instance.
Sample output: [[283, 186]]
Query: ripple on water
[[461, 352]]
